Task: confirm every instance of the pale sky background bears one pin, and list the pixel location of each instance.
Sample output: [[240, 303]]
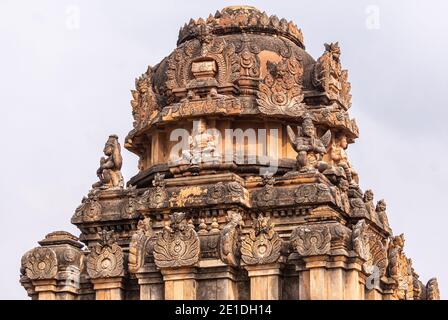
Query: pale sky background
[[65, 86]]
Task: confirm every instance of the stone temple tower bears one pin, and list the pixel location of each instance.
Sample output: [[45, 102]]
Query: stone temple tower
[[244, 189]]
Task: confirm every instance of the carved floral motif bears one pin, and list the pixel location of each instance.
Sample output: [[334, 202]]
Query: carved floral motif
[[311, 240], [40, 263], [106, 260], [262, 245], [177, 245]]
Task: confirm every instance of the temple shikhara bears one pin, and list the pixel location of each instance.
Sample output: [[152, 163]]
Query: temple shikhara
[[244, 189]]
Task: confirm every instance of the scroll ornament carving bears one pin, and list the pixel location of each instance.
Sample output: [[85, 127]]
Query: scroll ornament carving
[[40, 263], [229, 240], [140, 245], [178, 244], [144, 101], [311, 240], [106, 260], [329, 76], [262, 245], [280, 92]]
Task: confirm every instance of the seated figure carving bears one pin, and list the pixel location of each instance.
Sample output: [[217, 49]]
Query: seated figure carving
[[109, 171]]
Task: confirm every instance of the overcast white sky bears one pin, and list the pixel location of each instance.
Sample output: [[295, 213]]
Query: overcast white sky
[[64, 87]]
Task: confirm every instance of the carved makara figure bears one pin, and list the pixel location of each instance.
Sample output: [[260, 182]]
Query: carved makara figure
[[308, 146], [312, 240], [106, 260], [262, 245], [382, 215], [109, 171], [140, 245], [202, 145], [178, 244], [229, 240]]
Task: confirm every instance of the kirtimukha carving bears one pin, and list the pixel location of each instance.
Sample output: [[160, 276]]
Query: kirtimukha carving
[[178, 244], [230, 239], [109, 171], [106, 260], [281, 89], [237, 84], [311, 240], [262, 245], [308, 146]]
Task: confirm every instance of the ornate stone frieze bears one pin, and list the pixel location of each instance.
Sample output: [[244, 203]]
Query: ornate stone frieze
[[280, 92], [141, 246], [262, 245], [230, 239], [177, 245], [311, 240], [106, 260]]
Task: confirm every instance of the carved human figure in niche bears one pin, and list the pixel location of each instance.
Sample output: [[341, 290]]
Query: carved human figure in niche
[[109, 171], [308, 146], [339, 158], [382, 215], [202, 144]]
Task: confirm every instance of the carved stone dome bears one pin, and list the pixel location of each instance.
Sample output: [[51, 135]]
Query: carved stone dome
[[237, 65]]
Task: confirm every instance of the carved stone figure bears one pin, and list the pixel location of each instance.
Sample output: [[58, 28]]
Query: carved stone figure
[[311, 240], [339, 158], [229, 241], [398, 266], [382, 215], [202, 145], [106, 260], [144, 102], [262, 245], [308, 146], [178, 244], [368, 200], [109, 171], [329, 76], [432, 290], [281, 89]]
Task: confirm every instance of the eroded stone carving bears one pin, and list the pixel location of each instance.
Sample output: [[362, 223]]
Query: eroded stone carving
[[262, 245], [398, 267], [109, 171], [382, 215], [329, 76], [178, 244], [230, 242], [40, 263], [144, 101], [106, 260], [432, 290], [311, 240]]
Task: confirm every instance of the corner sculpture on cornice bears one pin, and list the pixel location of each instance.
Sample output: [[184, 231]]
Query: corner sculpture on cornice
[[109, 171]]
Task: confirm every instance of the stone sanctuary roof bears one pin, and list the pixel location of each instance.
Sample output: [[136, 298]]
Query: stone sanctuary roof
[[261, 201]]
